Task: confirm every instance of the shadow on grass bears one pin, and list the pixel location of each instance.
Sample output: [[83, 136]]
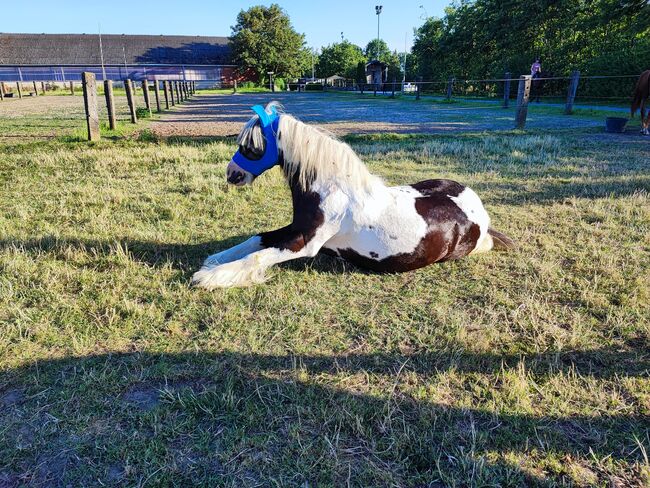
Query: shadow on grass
[[246, 419]]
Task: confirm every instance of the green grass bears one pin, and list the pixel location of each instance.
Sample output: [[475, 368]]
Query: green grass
[[506, 369]]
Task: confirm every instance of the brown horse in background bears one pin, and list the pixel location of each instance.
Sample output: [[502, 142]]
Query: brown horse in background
[[641, 94]]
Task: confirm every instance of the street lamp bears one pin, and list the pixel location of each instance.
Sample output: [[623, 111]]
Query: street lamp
[[271, 87], [378, 9]]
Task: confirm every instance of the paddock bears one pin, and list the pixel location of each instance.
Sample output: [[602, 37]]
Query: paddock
[[510, 369]]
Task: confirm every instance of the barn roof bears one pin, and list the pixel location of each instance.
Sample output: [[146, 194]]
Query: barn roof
[[83, 49]]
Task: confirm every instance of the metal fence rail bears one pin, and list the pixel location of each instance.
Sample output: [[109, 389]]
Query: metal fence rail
[[115, 72]]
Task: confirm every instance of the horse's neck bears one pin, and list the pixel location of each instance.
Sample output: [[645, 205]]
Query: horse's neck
[[314, 158]]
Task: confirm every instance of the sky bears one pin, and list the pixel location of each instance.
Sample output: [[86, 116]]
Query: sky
[[321, 21]]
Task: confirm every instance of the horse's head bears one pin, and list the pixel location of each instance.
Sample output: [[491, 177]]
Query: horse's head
[[258, 146]]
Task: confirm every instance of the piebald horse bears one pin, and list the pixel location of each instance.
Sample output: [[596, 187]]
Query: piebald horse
[[341, 209], [641, 95]]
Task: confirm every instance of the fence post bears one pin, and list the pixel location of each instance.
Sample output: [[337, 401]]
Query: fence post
[[110, 104], [178, 95], [2, 90], [234, 88], [35, 88], [166, 93], [523, 94], [450, 87], [418, 81], [145, 93], [186, 86], [171, 93], [392, 95], [506, 91], [72, 88], [571, 95], [19, 89], [156, 90], [130, 98], [90, 104], [43, 87]]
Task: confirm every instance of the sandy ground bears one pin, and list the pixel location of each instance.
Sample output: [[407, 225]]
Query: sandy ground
[[220, 115]]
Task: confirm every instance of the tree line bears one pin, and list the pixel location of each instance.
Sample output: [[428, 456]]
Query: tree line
[[474, 39]]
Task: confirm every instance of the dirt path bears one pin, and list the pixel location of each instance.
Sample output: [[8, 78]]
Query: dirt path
[[219, 115]]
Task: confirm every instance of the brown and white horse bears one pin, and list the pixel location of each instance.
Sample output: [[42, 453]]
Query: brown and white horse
[[641, 95], [341, 209]]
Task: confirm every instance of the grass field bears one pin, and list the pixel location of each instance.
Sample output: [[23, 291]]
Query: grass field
[[507, 369]]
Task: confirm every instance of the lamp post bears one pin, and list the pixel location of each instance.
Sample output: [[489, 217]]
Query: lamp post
[[378, 9], [271, 87]]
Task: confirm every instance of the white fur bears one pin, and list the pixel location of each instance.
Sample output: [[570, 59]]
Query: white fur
[[236, 252], [470, 203], [381, 223]]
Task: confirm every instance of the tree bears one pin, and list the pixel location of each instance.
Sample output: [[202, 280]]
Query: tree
[[340, 59], [377, 49], [264, 40], [485, 38]]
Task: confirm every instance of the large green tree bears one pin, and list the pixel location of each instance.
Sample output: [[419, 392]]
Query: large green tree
[[485, 38], [263, 40], [341, 59]]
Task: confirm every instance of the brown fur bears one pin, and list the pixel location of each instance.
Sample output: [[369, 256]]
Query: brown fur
[[501, 241], [641, 94]]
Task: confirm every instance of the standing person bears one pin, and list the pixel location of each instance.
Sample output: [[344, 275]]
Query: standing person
[[536, 68]]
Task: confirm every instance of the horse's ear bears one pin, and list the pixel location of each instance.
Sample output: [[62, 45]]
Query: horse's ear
[[261, 113]]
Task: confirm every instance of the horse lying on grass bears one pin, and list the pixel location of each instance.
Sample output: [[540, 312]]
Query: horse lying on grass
[[641, 95], [341, 209]]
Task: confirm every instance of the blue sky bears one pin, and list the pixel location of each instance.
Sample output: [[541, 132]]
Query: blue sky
[[321, 21]]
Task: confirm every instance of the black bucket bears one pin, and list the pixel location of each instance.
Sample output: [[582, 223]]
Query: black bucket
[[615, 124]]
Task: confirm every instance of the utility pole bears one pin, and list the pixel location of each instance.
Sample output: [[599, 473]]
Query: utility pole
[[101, 50], [404, 72], [126, 69]]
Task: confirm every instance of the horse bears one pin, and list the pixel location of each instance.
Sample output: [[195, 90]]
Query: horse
[[641, 94], [341, 209], [537, 85]]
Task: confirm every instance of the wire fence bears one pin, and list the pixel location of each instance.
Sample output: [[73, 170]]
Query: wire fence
[[67, 73], [596, 88]]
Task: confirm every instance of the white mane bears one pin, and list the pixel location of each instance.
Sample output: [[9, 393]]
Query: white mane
[[311, 153]]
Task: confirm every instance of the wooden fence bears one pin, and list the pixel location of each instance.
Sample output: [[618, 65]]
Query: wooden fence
[[184, 91]]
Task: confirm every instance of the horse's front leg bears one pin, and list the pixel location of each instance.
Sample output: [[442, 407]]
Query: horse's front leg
[[255, 243], [277, 247]]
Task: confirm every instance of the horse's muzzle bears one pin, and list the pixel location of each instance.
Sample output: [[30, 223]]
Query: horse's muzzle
[[238, 176]]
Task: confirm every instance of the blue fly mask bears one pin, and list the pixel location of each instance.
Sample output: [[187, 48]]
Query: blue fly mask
[[269, 123]]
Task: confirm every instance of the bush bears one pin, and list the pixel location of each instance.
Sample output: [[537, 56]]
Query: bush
[[280, 84]]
